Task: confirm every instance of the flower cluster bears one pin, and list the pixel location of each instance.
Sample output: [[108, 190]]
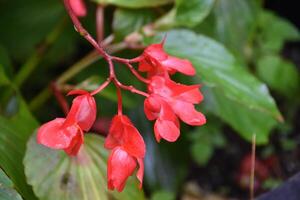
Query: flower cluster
[[165, 102]]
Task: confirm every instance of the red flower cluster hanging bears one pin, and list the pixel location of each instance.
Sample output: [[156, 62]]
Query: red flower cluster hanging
[[165, 102]]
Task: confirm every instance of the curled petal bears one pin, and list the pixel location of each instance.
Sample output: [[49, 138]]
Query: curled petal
[[83, 112], [152, 107], [187, 113], [120, 166], [75, 144], [181, 65], [53, 135]]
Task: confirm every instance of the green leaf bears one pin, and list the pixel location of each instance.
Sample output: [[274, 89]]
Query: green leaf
[[134, 3], [14, 132], [54, 175], [163, 195], [191, 13], [186, 13], [274, 31], [205, 139], [235, 21], [127, 21], [232, 83], [7, 192], [279, 74], [20, 34]]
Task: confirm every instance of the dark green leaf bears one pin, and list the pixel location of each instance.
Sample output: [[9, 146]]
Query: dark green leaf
[[127, 21], [235, 21], [7, 192], [14, 132], [31, 22], [232, 83], [163, 195], [54, 175], [274, 31], [279, 74], [134, 3]]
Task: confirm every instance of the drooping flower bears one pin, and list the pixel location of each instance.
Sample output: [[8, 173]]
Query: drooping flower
[[78, 7], [67, 133], [128, 150], [157, 62], [57, 136]]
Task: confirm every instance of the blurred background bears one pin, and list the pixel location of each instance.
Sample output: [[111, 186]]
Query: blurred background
[[247, 57]]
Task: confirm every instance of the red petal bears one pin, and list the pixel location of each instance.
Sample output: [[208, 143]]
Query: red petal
[[53, 135], [151, 107], [166, 129], [144, 66], [155, 51], [181, 65], [120, 166], [83, 112], [75, 144], [188, 113], [123, 133], [78, 7], [77, 92]]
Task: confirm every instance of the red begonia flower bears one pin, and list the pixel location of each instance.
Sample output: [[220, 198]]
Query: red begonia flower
[[166, 125], [128, 149], [123, 133], [157, 62], [78, 7], [120, 166], [83, 110], [57, 136], [180, 98]]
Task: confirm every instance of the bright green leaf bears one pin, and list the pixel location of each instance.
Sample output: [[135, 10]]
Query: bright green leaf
[[219, 71], [279, 74], [190, 13], [54, 175], [127, 21], [7, 192], [134, 3], [186, 13]]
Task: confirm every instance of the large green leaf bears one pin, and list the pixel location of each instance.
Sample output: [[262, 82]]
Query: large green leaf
[[14, 132], [186, 13], [233, 84], [54, 175], [279, 74], [7, 192], [134, 3], [274, 31], [235, 21], [127, 21]]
